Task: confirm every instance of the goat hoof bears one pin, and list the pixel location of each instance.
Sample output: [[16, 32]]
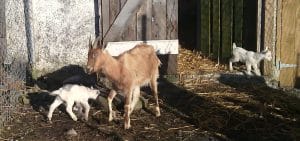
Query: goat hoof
[[75, 119], [127, 126], [157, 113], [110, 119], [49, 121]]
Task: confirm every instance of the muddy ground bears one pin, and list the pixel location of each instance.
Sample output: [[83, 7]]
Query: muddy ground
[[202, 107]]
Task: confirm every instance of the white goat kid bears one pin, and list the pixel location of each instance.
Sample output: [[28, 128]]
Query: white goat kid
[[252, 59], [70, 94]]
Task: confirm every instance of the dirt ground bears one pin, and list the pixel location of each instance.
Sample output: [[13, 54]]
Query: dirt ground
[[209, 105]]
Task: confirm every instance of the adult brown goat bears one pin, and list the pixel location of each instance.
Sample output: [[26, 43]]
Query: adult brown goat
[[128, 72]]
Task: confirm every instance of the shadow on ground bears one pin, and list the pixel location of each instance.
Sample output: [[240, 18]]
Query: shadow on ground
[[232, 107], [237, 108]]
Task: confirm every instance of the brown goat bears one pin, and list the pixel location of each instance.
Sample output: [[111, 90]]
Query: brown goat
[[128, 72]]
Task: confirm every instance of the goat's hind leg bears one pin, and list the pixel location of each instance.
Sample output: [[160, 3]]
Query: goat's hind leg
[[127, 108], [53, 106], [232, 60], [153, 85], [135, 98], [110, 98]]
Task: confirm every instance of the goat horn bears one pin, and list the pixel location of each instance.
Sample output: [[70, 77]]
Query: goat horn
[[90, 41], [96, 42]]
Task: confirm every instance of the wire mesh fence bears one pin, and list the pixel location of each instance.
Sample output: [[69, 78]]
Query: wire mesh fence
[[12, 85], [12, 72]]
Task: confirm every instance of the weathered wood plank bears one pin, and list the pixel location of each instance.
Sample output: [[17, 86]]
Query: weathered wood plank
[[144, 17], [161, 46], [216, 30], [297, 46], [159, 19], [172, 19], [226, 28], [238, 22], [204, 27], [130, 31], [172, 33], [169, 64], [121, 22], [269, 33], [114, 9], [149, 20], [105, 16], [288, 40], [122, 3], [141, 23]]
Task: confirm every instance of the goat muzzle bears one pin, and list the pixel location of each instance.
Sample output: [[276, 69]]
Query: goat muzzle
[[89, 70]]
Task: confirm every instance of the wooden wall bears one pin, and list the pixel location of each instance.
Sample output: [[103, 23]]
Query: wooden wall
[[222, 22], [152, 20]]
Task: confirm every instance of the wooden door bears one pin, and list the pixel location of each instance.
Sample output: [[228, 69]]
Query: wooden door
[[140, 20], [289, 44]]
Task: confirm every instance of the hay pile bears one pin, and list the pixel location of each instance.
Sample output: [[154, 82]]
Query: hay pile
[[192, 62]]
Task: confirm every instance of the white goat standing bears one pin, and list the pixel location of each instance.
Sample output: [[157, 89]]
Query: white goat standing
[[252, 59], [70, 94]]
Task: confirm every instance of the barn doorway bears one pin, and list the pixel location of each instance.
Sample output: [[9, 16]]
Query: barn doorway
[[210, 26]]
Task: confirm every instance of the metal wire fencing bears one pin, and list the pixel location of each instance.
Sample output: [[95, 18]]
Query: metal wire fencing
[[12, 73], [12, 85]]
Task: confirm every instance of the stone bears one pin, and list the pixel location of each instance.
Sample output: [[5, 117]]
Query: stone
[[71, 132]]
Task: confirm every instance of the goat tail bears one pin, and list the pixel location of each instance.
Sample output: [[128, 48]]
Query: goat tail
[[233, 45]]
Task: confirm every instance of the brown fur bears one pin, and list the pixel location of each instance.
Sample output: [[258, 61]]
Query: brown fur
[[128, 72]]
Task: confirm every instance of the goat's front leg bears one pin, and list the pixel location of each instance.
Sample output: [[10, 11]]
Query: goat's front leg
[[86, 110], [70, 111], [127, 108], [232, 60], [248, 66], [53, 106], [256, 70], [110, 98]]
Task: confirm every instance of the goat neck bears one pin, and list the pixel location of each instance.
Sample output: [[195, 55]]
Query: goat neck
[[112, 68]]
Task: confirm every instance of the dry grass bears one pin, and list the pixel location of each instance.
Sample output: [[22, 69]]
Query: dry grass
[[192, 62]]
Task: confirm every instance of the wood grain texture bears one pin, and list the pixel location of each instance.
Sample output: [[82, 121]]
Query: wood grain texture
[[172, 19], [159, 19], [122, 21], [288, 41], [105, 16], [226, 27], [205, 27], [216, 30], [114, 9]]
